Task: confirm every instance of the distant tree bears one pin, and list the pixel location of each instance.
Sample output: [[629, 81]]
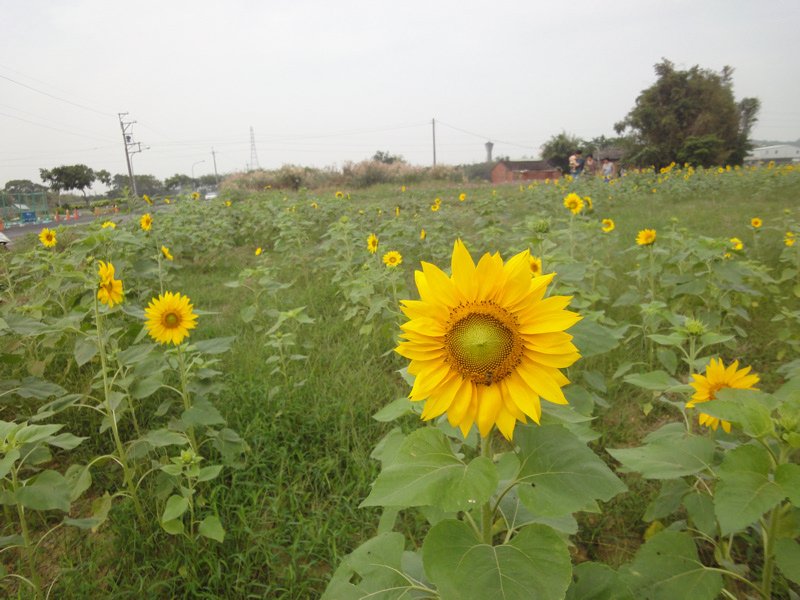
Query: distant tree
[[559, 147], [145, 184], [103, 176], [69, 177], [177, 182], [689, 116], [23, 186], [386, 158]]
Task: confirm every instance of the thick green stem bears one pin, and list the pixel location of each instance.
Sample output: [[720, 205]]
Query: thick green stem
[[187, 401], [26, 537], [127, 472], [486, 510]]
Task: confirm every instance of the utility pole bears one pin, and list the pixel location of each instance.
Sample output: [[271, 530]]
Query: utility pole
[[214, 156], [433, 127], [126, 139]]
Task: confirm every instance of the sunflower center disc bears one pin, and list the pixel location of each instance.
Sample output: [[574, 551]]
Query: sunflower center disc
[[483, 347], [171, 320]]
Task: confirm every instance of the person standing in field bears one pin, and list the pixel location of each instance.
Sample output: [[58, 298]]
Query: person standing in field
[[608, 170], [590, 166], [576, 163]]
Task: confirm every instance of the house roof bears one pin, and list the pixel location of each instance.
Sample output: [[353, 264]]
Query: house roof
[[527, 165]]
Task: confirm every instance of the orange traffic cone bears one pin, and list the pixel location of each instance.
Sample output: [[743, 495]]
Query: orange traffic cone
[[75, 214], [116, 208], [57, 217]]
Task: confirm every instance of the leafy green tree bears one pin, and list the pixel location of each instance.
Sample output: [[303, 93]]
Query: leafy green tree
[[69, 177], [689, 116], [387, 158], [145, 184], [178, 181], [23, 186], [559, 147]]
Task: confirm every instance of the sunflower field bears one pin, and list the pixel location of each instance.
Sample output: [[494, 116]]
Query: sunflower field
[[554, 389]]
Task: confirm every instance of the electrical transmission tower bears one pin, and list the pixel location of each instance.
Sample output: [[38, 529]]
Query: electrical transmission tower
[[253, 153]]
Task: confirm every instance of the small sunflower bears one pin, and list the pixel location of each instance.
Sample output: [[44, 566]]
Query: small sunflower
[[587, 200], [169, 318], [314, 205], [403, 189], [756, 223], [165, 251], [47, 237], [485, 344], [339, 195], [462, 196], [166, 201], [536, 265], [228, 203], [736, 243], [608, 225], [109, 225], [435, 207], [716, 378], [146, 198], [146, 222], [396, 211], [109, 292], [422, 234], [195, 195], [646, 237], [573, 202], [372, 243], [392, 258], [258, 251], [789, 239]]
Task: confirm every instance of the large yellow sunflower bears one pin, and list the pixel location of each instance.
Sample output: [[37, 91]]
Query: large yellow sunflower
[[109, 292], [646, 237], [47, 237], [169, 318], [716, 378], [485, 344], [146, 222]]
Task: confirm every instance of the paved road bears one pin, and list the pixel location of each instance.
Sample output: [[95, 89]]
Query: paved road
[[14, 232]]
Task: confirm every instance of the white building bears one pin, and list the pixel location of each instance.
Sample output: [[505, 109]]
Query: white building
[[780, 153]]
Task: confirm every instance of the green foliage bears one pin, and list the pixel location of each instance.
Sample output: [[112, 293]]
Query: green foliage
[[689, 117]]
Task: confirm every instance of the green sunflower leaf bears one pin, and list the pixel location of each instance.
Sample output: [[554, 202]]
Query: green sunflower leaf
[[372, 570], [596, 581], [426, 472], [787, 555], [562, 473], [669, 452], [744, 491], [535, 564], [668, 567]]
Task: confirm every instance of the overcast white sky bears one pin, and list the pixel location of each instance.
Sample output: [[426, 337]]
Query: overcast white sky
[[324, 82]]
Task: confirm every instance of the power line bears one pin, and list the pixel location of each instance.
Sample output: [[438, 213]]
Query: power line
[[105, 114], [486, 137], [91, 137]]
